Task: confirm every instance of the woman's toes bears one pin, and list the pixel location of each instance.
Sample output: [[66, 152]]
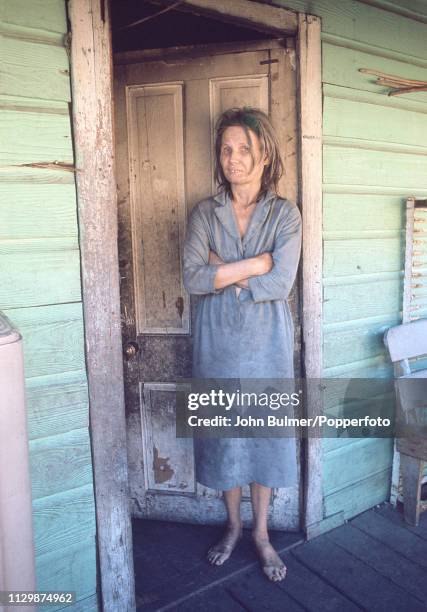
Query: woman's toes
[[272, 564], [219, 553]]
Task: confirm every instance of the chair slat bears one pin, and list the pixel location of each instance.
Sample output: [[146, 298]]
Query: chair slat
[[407, 340]]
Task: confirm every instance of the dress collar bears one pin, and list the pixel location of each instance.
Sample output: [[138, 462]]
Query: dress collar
[[225, 214]]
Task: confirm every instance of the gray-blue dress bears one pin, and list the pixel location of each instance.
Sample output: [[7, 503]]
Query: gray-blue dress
[[245, 336]]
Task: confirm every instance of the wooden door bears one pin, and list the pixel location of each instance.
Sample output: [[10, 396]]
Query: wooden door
[[166, 105]]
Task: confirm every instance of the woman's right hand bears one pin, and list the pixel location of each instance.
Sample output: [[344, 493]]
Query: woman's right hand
[[264, 263]]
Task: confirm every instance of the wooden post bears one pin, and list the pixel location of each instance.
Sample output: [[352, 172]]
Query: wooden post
[[310, 110], [91, 71]]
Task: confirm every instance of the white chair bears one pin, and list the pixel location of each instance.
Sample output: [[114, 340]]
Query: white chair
[[405, 342]]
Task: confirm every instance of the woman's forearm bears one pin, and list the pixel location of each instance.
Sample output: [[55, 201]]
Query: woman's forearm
[[240, 271]]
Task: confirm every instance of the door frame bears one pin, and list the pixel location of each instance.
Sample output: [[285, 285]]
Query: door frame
[[93, 131]]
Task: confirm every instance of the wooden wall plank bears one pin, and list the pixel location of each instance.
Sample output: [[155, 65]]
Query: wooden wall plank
[[358, 403], [361, 256], [52, 347], [68, 569], [34, 279], [358, 21], [341, 67], [345, 302], [405, 103], [64, 519], [34, 210], [356, 119], [415, 9], [35, 137], [87, 604], [38, 105], [43, 14], [45, 315], [56, 409], [347, 346], [34, 70], [48, 456], [350, 166], [359, 496], [23, 247], [357, 459], [361, 213], [343, 392], [374, 367], [45, 176]]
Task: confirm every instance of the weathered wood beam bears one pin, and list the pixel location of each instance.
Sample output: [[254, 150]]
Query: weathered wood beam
[[310, 111], [97, 210], [255, 15]]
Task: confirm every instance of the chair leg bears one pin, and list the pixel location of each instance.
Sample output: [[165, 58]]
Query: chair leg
[[411, 478]]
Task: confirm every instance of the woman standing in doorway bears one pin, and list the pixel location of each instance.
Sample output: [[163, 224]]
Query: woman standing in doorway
[[241, 256]]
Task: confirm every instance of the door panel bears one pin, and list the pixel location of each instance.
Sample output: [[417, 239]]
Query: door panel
[[155, 117], [165, 115], [175, 472]]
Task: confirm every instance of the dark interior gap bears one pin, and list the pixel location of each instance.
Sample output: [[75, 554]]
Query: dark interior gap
[[170, 29]]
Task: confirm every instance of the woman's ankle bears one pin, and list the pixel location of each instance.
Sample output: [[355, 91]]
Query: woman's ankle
[[234, 525], [260, 533]]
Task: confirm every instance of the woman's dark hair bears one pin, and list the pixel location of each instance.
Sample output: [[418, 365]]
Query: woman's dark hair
[[255, 120]]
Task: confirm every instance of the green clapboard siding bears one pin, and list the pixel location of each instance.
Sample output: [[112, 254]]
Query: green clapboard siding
[[40, 289], [37, 211], [34, 70], [35, 137], [47, 15], [70, 568], [64, 519], [57, 408], [374, 158], [53, 338], [48, 457], [367, 25]]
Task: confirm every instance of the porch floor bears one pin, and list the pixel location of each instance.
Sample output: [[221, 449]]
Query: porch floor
[[373, 562]]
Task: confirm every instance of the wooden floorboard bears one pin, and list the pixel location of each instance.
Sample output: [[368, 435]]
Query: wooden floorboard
[[376, 562], [387, 562], [214, 599], [396, 517], [396, 537], [311, 591], [256, 593], [353, 578]]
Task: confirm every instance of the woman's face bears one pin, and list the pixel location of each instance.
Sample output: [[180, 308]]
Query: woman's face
[[242, 163]]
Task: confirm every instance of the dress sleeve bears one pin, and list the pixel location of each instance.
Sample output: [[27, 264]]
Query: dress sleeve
[[198, 274], [277, 284]]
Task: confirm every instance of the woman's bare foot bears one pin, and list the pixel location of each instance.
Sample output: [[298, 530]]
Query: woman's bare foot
[[220, 552], [272, 565]]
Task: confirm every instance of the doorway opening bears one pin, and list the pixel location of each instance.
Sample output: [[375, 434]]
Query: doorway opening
[[174, 73]]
